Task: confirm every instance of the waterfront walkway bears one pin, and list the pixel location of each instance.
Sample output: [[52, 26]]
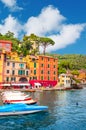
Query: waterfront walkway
[[41, 89]]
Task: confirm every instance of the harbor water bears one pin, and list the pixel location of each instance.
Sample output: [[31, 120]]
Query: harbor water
[[67, 111]]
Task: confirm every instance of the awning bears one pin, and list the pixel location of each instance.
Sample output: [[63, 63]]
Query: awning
[[5, 84], [15, 84], [38, 84]]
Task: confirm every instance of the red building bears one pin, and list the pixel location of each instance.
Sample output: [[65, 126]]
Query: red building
[[5, 46]]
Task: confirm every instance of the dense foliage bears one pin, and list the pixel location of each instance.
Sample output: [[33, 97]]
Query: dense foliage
[[72, 62]]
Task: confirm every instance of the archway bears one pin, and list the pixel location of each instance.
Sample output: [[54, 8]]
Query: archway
[[23, 79]]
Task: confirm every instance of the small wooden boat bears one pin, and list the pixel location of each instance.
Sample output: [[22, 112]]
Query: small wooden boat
[[18, 109]]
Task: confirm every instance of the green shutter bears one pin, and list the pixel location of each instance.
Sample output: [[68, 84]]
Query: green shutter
[[34, 65], [34, 71]]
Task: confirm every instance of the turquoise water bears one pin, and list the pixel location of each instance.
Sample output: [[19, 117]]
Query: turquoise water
[[63, 113]]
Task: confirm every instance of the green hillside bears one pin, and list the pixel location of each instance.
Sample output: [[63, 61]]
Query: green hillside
[[70, 62]]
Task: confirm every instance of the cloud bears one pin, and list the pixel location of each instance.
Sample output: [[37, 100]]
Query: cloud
[[11, 4], [68, 35], [48, 21], [51, 23], [11, 24]]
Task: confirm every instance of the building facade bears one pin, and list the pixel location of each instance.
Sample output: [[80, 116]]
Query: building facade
[[43, 69], [5, 47], [64, 80], [15, 71]]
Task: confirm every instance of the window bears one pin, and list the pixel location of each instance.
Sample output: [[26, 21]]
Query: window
[[42, 65], [48, 66], [30, 78], [13, 78], [54, 72], [42, 58], [21, 65], [34, 65], [48, 78], [8, 71], [8, 63], [13, 64], [41, 77], [41, 71], [21, 72], [54, 60], [26, 72], [48, 59], [7, 78], [54, 66], [13, 72], [33, 59], [48, 72], [33, 77], [34, 71], [62, 80]]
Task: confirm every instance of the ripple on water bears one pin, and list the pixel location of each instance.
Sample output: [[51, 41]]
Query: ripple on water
[[63, 113]]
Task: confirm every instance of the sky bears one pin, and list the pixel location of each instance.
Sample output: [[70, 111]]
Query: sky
[[64, 21]]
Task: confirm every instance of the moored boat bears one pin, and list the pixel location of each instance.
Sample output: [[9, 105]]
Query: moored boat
[[18, 109], [17, 97]]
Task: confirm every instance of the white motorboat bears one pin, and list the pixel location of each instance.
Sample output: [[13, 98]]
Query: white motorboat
[[17, 97]]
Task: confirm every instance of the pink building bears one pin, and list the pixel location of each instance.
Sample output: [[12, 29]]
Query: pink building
[[15, 71]]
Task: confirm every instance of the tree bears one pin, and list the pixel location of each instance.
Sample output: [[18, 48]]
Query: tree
[[36, 42], [26, 45], [75, 72], [9, 34], [46, 42]]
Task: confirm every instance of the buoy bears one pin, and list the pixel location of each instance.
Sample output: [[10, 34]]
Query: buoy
[[77, 103]]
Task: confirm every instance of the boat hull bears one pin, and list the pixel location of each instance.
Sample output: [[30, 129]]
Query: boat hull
[[18, 113], [18, 109]]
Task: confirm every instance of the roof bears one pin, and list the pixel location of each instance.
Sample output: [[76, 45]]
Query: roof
[[5, 41], [33, 57]]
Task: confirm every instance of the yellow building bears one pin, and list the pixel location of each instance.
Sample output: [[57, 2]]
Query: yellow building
[[33, 65], [1, 67], [64, 80]]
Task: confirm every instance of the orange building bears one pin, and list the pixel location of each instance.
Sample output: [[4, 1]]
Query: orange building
[[44, 70], [47, 68], [82, 75]]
